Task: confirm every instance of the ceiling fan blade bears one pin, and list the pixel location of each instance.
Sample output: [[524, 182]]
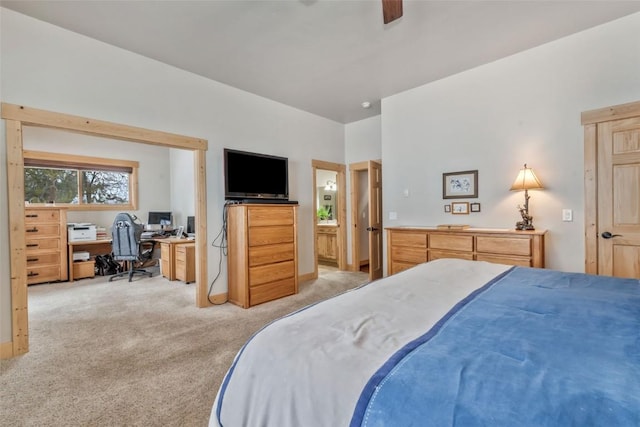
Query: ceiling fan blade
[[391, 10]]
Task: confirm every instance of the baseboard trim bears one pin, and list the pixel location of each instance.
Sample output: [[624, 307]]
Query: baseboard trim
[[6, 350], [306, 277]]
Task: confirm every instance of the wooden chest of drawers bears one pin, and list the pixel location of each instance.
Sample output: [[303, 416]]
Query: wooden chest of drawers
[[409, 246], [46, 244], [186, 262], [262, 253]]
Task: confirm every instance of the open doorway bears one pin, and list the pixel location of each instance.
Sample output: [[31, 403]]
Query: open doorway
[[329, 216], [366, 217], [16, 117]]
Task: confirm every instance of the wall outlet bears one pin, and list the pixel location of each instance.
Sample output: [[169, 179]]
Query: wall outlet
[[567, 215]]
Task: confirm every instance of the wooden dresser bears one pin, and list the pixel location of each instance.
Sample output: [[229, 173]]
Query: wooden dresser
[[262, 256], [327, 244], [409, 246], [46, 244]]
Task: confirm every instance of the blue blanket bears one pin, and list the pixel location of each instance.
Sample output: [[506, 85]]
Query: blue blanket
[[531, 348]]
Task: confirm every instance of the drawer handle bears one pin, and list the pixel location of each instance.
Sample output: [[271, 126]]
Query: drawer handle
[[33, 259], [32, 245], [32, 274], [32, 215], [32, 230]]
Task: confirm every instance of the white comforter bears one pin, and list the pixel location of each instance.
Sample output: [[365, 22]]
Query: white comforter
[[310, 367]]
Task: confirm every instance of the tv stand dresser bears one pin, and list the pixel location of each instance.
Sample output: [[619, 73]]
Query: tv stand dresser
[[408, 246], [262, 256]]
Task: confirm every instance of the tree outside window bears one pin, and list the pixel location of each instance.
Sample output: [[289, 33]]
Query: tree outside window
[[78, 181]]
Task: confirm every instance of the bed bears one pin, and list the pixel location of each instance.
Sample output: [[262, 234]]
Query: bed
[[447, 343]]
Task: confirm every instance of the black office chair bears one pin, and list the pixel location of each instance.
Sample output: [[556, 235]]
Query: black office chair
[[126, 245]]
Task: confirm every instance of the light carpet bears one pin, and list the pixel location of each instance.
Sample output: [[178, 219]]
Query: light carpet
[[133, 354]]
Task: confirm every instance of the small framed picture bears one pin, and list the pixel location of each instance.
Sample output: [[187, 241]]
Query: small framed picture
[[327, 197], [460, 185], [180, 231], [475, 207], [460, 208], [447, 208]]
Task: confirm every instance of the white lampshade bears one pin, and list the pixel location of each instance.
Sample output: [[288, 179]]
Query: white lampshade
[[526, 180]]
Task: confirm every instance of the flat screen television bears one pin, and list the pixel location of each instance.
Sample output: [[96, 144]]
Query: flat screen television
[[254, 176]]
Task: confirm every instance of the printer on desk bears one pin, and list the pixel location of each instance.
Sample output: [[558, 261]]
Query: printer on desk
[[79, 232]]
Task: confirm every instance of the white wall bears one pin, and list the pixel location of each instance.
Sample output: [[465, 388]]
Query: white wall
[[183, 199], [154, 175], [49, 68], [525, 108]]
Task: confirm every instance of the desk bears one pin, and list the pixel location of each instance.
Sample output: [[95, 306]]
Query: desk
[[94, 247], [100, 247], [168, 255]]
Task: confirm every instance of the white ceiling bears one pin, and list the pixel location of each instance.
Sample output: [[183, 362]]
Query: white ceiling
[[325, 56]]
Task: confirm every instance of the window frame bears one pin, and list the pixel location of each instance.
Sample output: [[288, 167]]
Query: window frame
[[60, 160]]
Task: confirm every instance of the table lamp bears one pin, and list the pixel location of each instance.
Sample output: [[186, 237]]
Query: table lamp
[[526, 180]]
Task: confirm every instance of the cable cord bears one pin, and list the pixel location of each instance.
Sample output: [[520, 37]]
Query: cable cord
[[222, 236]]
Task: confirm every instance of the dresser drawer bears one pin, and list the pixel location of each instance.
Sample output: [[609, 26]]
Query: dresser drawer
[[451, 242], [409, 254], [35, 245], [43, 274], [42, 230], [418, 240], [270, 273], [259, 236], [434, 254], [40, 216], [522, 262], [260, 255], [503, 245], [271, 291], [265, 216], [43, 259]]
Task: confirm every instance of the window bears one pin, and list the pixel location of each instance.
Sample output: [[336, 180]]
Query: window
[[80, 182]]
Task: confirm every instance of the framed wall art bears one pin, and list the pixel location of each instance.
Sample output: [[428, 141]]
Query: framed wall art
[[460, 208], [460, 185], [475, 207], [447, 208]]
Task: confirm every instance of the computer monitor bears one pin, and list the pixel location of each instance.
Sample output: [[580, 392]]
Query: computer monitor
[[163, 219], [191, 224]]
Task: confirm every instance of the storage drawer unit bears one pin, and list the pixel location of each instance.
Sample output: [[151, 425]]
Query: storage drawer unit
[[409, 246], [186, 262], [262, 253], [46, 244]]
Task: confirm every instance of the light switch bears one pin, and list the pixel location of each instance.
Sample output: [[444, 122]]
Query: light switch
[[567, 215], [393, 215], [405, 193]]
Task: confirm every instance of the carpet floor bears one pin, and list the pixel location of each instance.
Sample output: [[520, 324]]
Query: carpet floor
[[134, 354]]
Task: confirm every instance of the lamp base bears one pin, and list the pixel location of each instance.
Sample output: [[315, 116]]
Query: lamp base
[[524, 227], [527, 220]]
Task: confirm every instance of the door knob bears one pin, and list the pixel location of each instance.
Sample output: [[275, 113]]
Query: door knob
[[607, 235], [372, 229]]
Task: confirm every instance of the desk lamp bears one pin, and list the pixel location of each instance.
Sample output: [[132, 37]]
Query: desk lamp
[[526, 180]]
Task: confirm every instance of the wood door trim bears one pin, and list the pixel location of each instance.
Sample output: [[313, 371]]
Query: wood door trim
[[590, 120], [616, 112], [17, 116]]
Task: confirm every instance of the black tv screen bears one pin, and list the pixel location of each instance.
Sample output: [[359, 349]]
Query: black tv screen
[[161, 218], [255, 176]]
